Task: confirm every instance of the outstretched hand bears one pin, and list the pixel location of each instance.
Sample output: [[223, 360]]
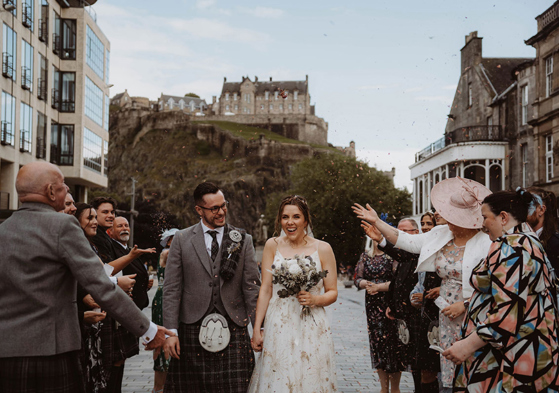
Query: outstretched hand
[[371, 231], [365, 213], [136, 252]]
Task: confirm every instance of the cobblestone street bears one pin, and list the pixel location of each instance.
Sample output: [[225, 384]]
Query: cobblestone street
[[350, 340]]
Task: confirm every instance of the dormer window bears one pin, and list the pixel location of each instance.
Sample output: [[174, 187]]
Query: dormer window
[[226, 96], [266, 95], [276, 95], [235, 97], [295, 94]]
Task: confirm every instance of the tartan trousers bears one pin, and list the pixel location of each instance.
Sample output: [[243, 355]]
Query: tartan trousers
[[200, 371], [60, 373]]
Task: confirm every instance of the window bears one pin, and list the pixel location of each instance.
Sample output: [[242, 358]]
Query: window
[[275, 95], [226, 96], [41, 151], [94, 52], [93, 102], [193, 106], [107, 109], [28, 10], [26, 127], [524, 158], [236, 108], [248, 111], [42, 82], [106, 158], [548, 158], [266, 95], [290, 107], [271, 107], [64, 91], [62, 144], [92, 149], [64, 38], [300, 107], [44, 22], [295, 94], [26, 66], [470, 98], [281, 107], [8, 118], [247, 98], [235, 97], [107, 63], [490, 121], [524, 98], [548, 76], [9, 56]]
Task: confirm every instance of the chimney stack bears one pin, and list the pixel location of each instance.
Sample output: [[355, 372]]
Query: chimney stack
[[224, 79], [270, 79], [255, 79]]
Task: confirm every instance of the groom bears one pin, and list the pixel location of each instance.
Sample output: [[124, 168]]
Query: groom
[[210, 270]]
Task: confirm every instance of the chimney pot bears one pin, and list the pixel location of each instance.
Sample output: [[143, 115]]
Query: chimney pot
[[270, 79], [224, 79]]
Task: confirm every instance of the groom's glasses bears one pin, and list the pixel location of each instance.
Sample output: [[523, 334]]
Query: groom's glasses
[[215, 209]]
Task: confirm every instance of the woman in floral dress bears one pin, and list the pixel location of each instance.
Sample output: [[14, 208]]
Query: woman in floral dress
[[511, 324], [374, 272], [451, 250]]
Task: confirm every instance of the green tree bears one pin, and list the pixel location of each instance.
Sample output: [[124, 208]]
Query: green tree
[[192, 95], [332, 183]]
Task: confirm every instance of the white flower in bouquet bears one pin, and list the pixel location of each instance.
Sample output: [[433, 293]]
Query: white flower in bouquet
[[295, 269], [291, 262]]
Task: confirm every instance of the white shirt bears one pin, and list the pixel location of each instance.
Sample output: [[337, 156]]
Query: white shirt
[[208, 238]]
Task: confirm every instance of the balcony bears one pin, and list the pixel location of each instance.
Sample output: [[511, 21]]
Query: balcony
[[26, 77], [4, 200], [7, 136], [56, 44], [7, 65], [55, 99], [24, 144], [548, 17], [463, 135], [9, 5], [27, 15], [42, 93], [41, 148], [44, 30]]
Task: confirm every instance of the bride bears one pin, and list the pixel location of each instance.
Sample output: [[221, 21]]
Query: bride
[[297, 352]]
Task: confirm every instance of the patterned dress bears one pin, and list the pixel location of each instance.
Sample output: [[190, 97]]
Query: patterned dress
[[448, 265], [387, 351], [512, 309], [160, 363]]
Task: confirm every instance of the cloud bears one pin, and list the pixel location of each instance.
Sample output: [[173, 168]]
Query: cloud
[[264, 12], [203, 4], [216, 30]]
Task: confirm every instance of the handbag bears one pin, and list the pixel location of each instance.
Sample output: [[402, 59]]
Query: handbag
[[214, 333]]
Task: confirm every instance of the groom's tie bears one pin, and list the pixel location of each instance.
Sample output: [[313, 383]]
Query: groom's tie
[[215, 246]]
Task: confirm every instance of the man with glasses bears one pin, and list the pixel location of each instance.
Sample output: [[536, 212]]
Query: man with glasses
[[211, 280]]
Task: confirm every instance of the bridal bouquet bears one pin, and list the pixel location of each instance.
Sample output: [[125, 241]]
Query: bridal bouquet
[[296, 274]]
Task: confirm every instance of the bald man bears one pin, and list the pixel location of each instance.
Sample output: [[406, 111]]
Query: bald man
[[44, 253]]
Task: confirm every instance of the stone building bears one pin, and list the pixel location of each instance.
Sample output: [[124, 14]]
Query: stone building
[[55, 93], [121, 99], [542, 89], [281, 106], [480, 122], [186, 104]]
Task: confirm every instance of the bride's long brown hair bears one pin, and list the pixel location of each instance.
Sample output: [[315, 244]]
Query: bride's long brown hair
[[295, 200]]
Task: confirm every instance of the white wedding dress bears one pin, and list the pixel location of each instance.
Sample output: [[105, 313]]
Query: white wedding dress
[[298, 353]]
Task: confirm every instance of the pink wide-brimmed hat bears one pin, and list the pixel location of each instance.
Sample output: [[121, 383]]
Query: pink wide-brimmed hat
[[459, 201]]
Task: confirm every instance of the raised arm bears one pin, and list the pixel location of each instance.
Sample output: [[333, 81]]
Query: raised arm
[[369, 215], [122, 262]]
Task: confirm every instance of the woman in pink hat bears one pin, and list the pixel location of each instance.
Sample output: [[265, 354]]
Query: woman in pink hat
[[451, 250], [510, 332]]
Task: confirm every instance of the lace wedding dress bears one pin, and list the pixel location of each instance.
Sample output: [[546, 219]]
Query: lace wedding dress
[[298, 353]]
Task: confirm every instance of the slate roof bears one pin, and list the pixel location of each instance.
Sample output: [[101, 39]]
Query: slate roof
[[117, 97], [262, 86], [197, 101], [499, 71]]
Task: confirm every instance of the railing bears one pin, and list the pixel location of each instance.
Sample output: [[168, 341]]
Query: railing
[[9, 5], [27, 15], [56, 43], [68, 106], [6, 137], [58, 158], [44, 30], [4, 200], [24, 144], [460, 135], [42, 93], [25, 78], [41, 148], [68, 53], [548, 17], [7, 65], [55, 99]]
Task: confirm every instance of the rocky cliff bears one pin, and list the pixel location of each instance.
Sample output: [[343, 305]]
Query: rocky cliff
[[169, 154]]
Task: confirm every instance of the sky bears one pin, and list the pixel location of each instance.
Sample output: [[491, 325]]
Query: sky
[[381, 73]]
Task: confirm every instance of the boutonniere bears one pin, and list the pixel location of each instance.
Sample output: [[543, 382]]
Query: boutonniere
[[232, 248]]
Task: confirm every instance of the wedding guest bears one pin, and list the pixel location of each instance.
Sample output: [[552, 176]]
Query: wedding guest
[[397, 298], [542, 217], [161, 362], [510, 331], [297, 350], [428, 222], [450, 250], [40, 351], [374, 272], [69, 205], [105, 208]]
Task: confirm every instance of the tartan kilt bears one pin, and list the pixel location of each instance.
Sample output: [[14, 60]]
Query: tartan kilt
[[200, 371], [116, 343], [60, 373]]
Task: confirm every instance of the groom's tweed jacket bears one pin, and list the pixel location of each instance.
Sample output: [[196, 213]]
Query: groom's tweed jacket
[[187, 292]]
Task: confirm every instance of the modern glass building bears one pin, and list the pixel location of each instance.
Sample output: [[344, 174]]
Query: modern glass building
[[55, 88]]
